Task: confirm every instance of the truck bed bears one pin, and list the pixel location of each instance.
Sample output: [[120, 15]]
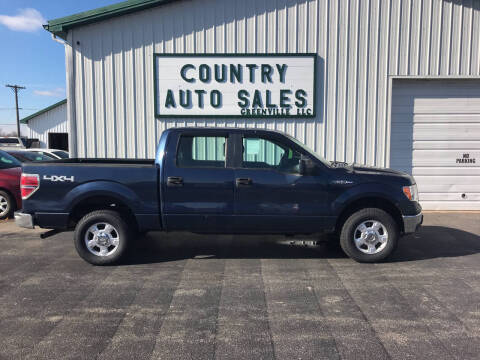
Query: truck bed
[[68, 183]]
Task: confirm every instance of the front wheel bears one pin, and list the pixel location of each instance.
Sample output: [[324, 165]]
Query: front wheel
[[369, 235], [101, 237]]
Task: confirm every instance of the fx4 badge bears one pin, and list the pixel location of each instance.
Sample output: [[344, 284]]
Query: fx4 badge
[[342, 182], [61, 178]]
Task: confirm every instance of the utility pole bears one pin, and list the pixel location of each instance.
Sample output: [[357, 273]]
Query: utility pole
[[15, 89]]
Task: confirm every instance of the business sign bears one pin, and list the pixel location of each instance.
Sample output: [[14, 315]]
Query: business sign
[[235, 85]]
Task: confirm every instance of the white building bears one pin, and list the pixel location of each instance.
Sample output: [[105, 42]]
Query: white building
[[395, 82], [49, 126]]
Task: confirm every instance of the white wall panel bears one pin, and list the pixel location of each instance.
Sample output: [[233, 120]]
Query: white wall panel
[[51, 121], [360, 44]]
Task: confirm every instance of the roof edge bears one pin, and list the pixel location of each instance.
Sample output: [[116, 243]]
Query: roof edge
[[60, 26], [40, 112]]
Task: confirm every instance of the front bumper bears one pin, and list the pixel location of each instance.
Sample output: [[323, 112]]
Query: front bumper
[[24, 220], [412, 222]]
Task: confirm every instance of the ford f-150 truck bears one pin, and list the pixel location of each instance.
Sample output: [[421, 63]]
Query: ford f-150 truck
[[212, 180]]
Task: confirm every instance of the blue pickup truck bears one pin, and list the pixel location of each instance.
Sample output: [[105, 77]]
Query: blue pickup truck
[[212, 180]]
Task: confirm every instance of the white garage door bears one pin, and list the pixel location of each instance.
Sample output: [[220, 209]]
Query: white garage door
[[435, 136]]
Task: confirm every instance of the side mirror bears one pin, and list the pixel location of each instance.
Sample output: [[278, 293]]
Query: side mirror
[[306, 166], [302, 166]]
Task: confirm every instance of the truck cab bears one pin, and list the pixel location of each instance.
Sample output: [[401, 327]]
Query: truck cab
[[243, 182]]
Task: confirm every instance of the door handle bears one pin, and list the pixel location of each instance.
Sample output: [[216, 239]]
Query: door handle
[[174, 181], [244, 182]]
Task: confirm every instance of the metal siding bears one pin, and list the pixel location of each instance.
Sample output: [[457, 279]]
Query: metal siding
[[435, 122], [52, 121], [360, 43]]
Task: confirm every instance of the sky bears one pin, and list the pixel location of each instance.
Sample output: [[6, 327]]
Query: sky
[[30, 57]]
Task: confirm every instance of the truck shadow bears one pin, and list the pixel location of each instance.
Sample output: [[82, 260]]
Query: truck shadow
[[432, 242], [429, 243]]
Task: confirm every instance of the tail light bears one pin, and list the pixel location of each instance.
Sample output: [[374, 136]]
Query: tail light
[[29, 183]]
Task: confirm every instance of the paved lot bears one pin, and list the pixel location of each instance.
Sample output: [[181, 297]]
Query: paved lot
[[242, 297]]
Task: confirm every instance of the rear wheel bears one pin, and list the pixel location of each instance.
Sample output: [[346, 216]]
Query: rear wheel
[[101, 237], [369, 235], [6, 205]]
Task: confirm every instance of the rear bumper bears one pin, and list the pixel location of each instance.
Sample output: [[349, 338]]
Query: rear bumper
[[412, 222], [24, 220], [43, 220]]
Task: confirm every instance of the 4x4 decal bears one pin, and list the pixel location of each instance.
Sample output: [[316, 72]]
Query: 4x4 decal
[[61, 178]]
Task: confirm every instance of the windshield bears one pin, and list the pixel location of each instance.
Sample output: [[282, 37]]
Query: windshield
[[9, 141], [61, 154], [308, 150], [27, 156], [45, 154]]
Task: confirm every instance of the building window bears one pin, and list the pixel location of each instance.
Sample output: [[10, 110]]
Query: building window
[[58, 141]]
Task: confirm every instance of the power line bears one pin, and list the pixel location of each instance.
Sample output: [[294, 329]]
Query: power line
[[21, 109], [15, 89]]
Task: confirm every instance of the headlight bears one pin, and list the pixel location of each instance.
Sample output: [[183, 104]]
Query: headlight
[[411, 192]]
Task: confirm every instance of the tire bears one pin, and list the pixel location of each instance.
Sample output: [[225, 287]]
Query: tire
[[363, 240], [102, 237], [6, 205]]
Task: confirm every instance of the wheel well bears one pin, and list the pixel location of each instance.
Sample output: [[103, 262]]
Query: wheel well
[[369, 202], [101, 203]]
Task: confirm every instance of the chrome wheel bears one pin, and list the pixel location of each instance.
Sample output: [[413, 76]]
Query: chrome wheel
[[102, 239], [370, 237], [4, 208]]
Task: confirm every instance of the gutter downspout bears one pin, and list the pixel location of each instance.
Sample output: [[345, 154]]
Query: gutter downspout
[[54, 37], [70, 82]]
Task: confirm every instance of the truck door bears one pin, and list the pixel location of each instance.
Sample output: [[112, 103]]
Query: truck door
[[270, 193], [198, 182]]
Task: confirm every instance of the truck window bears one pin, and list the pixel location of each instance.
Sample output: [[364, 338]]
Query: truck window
[[259, 153], [9, 141], [201, 151]]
